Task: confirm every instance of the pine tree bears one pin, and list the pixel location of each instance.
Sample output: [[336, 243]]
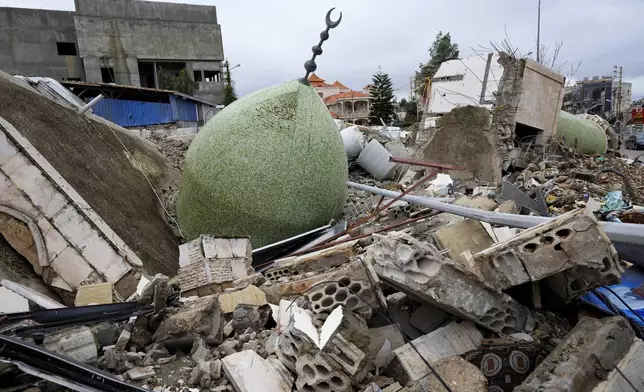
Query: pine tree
[[442, 50], [229, 88], [381, 99]]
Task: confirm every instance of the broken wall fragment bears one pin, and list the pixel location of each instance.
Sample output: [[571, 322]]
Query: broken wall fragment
[[571, 251], [418, 270]]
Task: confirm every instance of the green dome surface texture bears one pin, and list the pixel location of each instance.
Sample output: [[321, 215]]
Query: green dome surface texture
[[270, 165]]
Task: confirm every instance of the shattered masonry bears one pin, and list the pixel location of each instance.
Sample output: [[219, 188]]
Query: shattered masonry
[[572, 245], [420, 271]]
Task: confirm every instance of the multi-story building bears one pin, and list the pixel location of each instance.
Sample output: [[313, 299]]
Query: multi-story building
[[129, 42], [599, 95], [343, 103]]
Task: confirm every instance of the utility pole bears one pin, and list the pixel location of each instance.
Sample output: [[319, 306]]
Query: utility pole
[[539, 32], [617, 72]]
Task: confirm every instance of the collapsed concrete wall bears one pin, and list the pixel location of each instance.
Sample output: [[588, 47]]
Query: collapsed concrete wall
[[73, 246], [464, 137], [92, 166]]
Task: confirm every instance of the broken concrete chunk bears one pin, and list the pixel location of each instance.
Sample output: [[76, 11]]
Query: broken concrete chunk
[[140, 373], [418, 269], [76, 343], [250, 316], [383, 342], [463, 236], [11, 302], [351, 287], [105, 333], [478, 202], [251, 295], [257, 279], [206, 373], [585, 358], [314, 261], [155, 292], [248, 372], [457, 373], [201, 317], [427, 318], [571, 241], [631, 368], [94, 294], [200, 350], [453, 339]]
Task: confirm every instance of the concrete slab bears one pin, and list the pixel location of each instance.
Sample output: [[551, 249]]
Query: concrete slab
[[248, 372], [467, 235], [94, 294], [11, 302], [251, 295], [451, 340]]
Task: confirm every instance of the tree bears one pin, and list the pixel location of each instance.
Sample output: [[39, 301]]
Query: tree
[[229, 87], [442, 50], [381, 99], [180, 82]]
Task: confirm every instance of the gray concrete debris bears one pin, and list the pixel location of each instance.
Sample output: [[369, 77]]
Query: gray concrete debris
[[350, 287], [206, 373], [427, 318], [317, 374], [123, 339], [228, 347], [155, 292], [584, 359], [417, 269], [76, 343], [201, 317], [451, 340], [139, 373], [250, 316], [572, 241], [631, 371], [248, 372], [383, 338], [105, 333], [459, 374], [200, 350]]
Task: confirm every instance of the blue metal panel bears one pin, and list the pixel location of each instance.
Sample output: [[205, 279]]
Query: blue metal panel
[[186, 110], [128, 113]]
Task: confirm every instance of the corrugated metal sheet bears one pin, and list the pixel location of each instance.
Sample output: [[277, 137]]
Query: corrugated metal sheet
[[54, 90], [128, 113], [186, 110]]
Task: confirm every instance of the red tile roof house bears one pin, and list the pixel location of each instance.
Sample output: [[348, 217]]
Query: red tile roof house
[[344, 104]]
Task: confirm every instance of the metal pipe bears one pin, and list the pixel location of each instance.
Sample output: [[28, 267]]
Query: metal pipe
[[619, 233], [91, 104]]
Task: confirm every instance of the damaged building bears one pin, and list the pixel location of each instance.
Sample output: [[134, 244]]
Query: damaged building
[[241, 259], [116, 41]]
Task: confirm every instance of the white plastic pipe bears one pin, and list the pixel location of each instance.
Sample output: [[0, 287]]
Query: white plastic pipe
[[91, 104]]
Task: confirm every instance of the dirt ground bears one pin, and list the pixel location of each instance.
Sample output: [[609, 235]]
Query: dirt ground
[[92, 159]]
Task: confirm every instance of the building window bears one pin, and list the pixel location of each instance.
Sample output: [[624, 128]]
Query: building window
[[66, 48], [211, 76], [107, 74], [197, 75]]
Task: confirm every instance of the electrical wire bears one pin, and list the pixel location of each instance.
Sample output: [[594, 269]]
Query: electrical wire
[[142, 172], [389, 318]]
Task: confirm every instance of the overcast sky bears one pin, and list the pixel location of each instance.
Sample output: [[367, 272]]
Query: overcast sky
[[271, 39]]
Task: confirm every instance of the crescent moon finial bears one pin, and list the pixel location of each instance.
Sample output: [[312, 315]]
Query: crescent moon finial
[[310, 65]]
